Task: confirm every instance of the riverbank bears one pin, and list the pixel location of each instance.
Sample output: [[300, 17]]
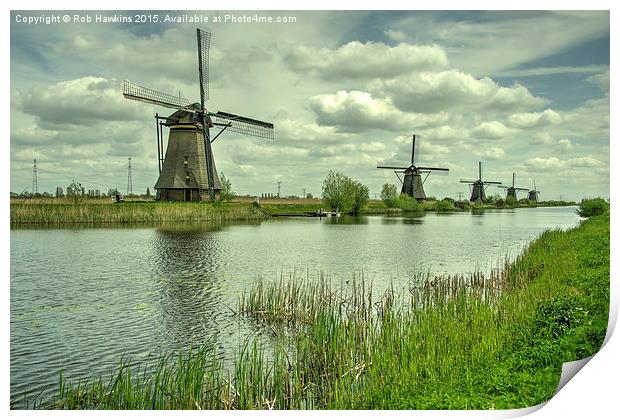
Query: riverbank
[[484, 341], [103, 211], [64, 211]]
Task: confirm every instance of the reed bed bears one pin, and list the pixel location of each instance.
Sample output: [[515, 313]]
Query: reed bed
[[147, 212], [483, 340]]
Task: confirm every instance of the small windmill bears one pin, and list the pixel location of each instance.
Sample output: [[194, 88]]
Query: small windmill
[[413, 184], [478, 187], [187, 172], [532, 195], [512, 190]]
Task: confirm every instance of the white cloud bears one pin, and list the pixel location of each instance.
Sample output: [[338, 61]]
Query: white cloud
[[490, 153], [565, 146], [395, 35], [601, 80], [493, 130], [356, 111], [535, 119], [452, 89], [555, 164], [357, 60]]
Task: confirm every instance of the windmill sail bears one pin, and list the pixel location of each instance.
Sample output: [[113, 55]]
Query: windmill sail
[[204, 43], [243, 125], [143, 94]]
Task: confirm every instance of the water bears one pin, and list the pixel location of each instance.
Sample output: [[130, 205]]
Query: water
[[82, 297]]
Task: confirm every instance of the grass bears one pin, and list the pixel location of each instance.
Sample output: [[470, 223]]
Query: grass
[[478, 341], [103, 211]]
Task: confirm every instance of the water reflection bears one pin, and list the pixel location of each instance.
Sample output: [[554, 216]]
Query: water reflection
[[346, 220]]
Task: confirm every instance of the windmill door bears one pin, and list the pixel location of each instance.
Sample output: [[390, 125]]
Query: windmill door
[[188, 195]]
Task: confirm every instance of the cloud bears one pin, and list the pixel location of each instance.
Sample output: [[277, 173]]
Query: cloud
[[490, 153], [493, 130], [565, 146], [535, 119], [601, 80], [357, 60], [554, 164], [80, 102], [452, 89], [395, 35], [356, 111]]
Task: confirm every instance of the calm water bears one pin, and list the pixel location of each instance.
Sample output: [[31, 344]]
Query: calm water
[[82, 297]]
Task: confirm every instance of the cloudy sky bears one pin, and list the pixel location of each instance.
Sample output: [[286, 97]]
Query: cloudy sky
[[525, 92]]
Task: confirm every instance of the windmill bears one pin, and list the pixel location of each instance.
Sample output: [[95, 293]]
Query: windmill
[[413, 184], [478, 187], [187, 172], [512, 191], [532, 195]]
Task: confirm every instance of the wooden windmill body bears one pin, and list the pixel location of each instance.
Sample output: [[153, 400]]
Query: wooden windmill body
[[412, 182], [187, 169]]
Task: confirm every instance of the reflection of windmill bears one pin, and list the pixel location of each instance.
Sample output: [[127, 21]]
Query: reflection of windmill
[[478, 187], [512, 191], [188, 170], [413, 184], [532, 195]]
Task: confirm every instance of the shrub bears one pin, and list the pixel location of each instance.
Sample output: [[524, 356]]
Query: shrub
[[343, 193], [389, 193], [592, 207], [444, 205], [511, 201]]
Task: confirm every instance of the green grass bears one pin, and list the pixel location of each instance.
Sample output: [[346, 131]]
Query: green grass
[[481, 341], [128, 212]]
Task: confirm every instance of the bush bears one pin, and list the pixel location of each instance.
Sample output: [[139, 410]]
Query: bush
[[226, 193], [343, 193], [511, 201], [444, 205], [389, 193], [592, 207]]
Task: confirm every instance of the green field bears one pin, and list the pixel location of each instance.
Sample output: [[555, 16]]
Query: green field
[[479, 341]]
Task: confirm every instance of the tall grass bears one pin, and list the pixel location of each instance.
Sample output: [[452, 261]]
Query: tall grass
[[106, 212], [484, 340]]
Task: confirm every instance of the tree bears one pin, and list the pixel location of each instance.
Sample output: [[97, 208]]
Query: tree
[[389, 194], [148, 192], [74, 190], [511, 201], [343, 193], [226, 193]]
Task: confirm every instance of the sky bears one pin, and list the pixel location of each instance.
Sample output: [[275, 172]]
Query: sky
[[524, 92]]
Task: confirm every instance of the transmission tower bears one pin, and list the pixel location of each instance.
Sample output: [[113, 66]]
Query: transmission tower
[[129, 186], [35, 180]]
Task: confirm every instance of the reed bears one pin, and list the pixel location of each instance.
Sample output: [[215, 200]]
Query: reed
[[483, 340], [61, 212]]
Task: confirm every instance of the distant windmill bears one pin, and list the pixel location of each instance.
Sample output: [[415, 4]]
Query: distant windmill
[[188, 171], [512, 190], [532, 195], [413, 184], [478, 187]]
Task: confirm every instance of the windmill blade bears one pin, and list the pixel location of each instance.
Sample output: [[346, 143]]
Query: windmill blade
[[392, 167], [480, 170], [415, 149], [428, 168], [521, 189], [492, 182], [204, 44], [140, 93], [468, 181], [243, 125]]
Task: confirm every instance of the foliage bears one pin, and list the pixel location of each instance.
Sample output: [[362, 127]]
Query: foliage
[[343, 193], [511, 201], [148, 192], [481, 341], [389, 193], [592, 207], [74, 191], [444, 205], [226, 193]]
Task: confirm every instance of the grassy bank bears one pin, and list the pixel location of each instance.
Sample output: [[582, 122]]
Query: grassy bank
[[481, 341], [103, 211]]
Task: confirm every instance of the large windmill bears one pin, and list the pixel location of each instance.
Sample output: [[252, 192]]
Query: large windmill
[[478, 187], [532, 195], [413, 184], [512, 190], [187, 172]]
